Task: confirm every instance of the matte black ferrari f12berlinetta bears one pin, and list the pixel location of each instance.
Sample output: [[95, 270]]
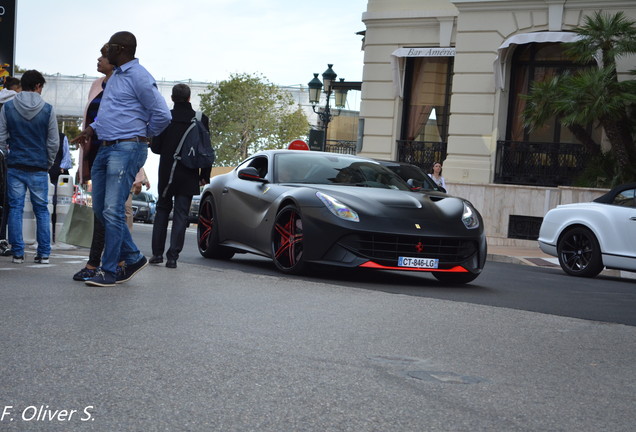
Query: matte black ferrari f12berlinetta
[[304, 207]]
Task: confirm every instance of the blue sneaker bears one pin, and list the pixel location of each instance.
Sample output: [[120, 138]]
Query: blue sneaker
[[84, 274], [127, 271], [101, 279]]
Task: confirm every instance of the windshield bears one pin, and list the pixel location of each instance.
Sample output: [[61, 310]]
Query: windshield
[[412, 172], [143, 196], [318, 168]]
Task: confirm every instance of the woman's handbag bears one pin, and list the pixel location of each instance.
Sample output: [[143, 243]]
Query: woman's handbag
[[78, 226]]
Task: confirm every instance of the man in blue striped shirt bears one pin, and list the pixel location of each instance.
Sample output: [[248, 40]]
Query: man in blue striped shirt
[[131, 112]]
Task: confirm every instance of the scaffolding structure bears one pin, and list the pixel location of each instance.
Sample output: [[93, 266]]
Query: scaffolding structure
[[69, 94]]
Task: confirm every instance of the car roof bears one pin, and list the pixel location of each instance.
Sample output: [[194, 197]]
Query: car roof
[[310, 153], [608, 197]]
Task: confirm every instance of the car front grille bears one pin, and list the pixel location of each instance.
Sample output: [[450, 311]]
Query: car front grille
[[388, 247]]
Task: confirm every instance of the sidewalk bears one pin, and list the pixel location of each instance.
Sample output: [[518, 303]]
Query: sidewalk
[[532, 256]]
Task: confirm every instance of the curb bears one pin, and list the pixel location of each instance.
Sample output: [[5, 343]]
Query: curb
[[529, 261], [540, 262]]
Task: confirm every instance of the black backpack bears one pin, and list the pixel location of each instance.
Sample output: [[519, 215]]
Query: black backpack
[[194, 150]]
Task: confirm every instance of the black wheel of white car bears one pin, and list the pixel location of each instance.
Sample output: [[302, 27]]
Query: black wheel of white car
[[579, 253], [208, 232]]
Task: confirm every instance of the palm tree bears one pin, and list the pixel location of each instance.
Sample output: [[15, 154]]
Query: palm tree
[[593, 95]]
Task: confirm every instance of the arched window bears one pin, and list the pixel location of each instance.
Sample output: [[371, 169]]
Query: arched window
[[427, 90], [530, 63], [427, 98]]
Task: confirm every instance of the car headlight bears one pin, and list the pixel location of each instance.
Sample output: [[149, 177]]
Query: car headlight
[[338, 208], [469, 217]]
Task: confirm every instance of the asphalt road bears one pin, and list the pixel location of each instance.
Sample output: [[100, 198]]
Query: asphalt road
[[536, 289], [240, 347]]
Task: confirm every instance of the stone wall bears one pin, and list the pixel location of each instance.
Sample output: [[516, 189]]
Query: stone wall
[[497, 203]]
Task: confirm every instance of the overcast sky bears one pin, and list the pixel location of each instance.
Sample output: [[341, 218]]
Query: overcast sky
[[286, 41], [203, 40]]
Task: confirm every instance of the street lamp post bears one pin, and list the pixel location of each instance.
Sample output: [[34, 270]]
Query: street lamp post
[[315, 86]]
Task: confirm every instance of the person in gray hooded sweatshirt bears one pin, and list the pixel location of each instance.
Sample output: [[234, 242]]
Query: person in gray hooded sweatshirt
[[28, 132], [11, 88]]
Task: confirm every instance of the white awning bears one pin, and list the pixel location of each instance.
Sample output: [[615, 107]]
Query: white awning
[[397, 62], [521, 39]]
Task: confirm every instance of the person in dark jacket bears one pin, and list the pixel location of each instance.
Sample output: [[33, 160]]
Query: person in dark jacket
[[185, 183]]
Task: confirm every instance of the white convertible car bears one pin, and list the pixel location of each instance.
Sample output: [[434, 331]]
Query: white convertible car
[[586, 237]]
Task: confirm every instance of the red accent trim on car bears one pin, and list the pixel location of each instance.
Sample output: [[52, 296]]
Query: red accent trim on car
[[371, 264]]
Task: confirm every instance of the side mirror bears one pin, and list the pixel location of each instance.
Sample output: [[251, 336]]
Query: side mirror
[[251, 174], [415, 185]]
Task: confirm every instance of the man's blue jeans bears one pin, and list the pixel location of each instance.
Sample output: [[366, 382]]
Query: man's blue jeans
[[37, 182], [113, 174]]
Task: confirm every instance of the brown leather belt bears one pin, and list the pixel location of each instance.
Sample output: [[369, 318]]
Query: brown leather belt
[[139, 139]]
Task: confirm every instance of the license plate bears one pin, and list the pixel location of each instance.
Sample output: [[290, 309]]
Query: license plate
[[423, 263]]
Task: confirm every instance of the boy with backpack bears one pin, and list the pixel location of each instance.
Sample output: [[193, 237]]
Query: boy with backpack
[[180, 175]]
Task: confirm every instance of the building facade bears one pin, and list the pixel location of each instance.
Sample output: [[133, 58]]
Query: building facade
[[442, 78]]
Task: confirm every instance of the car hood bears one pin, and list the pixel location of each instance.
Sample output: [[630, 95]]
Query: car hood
[[439, 211], [386, 197]]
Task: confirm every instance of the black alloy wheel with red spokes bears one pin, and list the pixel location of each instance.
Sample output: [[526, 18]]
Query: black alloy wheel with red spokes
[[208, 232], [288, 241]]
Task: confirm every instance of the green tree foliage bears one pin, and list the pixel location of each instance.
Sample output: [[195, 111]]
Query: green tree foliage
[[593, 95], [18, 69], [248, 114]]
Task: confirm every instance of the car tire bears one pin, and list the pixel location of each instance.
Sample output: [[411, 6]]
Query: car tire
[[579, 253], [288, 241], [455, 278], [208, 232]]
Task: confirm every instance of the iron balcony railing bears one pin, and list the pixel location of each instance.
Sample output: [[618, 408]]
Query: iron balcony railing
[[341, 146], [538, 164], [421, 153]]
